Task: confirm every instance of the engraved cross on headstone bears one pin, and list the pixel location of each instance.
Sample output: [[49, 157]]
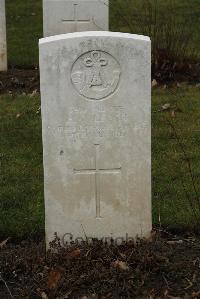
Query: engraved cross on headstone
[[75, 19], [97, 171]]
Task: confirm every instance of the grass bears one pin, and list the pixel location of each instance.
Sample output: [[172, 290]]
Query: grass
[[21, 177], [24, 24], [173, 190], [173, 25], [24, 28], [21, 191], [185, 11]]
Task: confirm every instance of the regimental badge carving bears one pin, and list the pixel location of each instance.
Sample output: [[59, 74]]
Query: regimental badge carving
[[95, 75]]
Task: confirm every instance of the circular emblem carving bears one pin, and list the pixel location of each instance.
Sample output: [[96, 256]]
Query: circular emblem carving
[[95, 74]]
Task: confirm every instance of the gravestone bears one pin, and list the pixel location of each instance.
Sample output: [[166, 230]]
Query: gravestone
[[65, 16], [96, 118], [3, 46]]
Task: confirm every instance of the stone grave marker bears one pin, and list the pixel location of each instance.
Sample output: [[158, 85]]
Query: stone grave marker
[[66, 16], [96, 116], [3, 45]]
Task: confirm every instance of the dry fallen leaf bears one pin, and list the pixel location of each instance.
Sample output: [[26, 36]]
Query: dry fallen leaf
[[154, 83], [196, 262], [44, 295], [38, 110], [66, 296], [33, 93], [163, 259], [152, 237], [196, 294], [75, 253], [165, 107], [53, 279], [175, 242], [3, 243], [167, 295], [120, 265], [190, 284], [18, 115], [122, 255], [173, 113]]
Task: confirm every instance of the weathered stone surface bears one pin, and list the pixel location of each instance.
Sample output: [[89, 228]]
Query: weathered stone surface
[[3, 46], [66, 16], [96, 114]]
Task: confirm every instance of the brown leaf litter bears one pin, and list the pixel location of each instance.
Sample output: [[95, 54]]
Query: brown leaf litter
[[161, 267]]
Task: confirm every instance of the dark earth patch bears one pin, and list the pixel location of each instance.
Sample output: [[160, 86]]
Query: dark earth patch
[[167, 71], [160, 267], [164, 71], [19, 80]]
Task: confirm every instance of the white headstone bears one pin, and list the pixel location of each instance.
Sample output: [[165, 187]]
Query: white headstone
[[3, 46], [96, 116], [66, 16]]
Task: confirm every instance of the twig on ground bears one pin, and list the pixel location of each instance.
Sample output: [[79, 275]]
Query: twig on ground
[[5, 283], [166, 281]]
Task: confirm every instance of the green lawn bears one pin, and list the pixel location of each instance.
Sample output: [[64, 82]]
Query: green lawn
[[181, 20], [176, 157], [175, 136], [21, 177], [21, 191], [24, 28]]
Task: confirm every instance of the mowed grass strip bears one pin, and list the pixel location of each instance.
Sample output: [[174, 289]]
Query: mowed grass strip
[[176, 158], [24, 25], [24, 28], [21, 176]]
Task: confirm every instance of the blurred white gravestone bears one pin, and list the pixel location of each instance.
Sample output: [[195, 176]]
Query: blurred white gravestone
[[66, 16], [96, 116], [3, 46]]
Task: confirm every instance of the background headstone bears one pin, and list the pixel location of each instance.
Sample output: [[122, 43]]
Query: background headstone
[[66, 16], [96, 115], [3, 46]]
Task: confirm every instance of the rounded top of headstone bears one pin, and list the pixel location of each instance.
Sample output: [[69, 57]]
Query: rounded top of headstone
[[60, 37]]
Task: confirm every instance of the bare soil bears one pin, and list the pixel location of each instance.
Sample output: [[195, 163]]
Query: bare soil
[[164, 266], [19, 81]]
